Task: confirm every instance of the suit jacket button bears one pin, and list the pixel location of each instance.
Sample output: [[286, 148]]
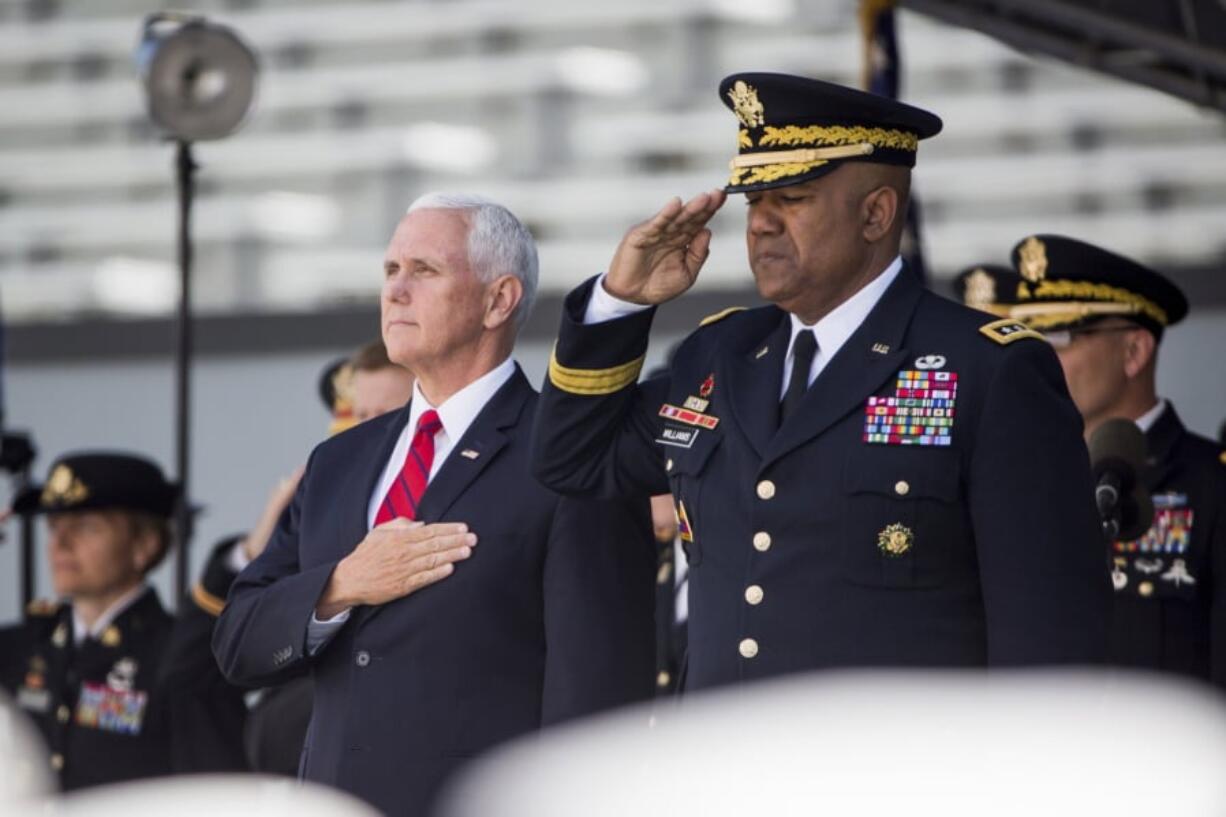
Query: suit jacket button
[[57, 761], [663, 679], [902, 487], [749, 648], [754, 594], [766, 489], [762, 541], [362, 659]]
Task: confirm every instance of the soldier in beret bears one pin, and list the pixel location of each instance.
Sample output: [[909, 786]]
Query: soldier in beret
[[1106, 316], [855, 466], [94, 669]]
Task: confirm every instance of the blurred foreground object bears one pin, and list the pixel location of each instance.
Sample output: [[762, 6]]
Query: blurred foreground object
[[207, 796], [23, 774], [919, 743]]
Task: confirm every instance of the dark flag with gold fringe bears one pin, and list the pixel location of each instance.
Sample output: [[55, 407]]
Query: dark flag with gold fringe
[[881, 77]]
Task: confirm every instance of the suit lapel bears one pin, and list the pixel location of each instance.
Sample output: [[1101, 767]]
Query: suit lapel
[[369, 465], [870, 357], [473, 452], [754, 376], [1160, 441]]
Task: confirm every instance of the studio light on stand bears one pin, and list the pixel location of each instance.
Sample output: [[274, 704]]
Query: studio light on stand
[[199, 80]]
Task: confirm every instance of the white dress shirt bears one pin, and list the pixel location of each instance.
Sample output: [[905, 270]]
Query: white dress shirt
[[1146, 421], [80, 631], [831, 332], [456, 413]]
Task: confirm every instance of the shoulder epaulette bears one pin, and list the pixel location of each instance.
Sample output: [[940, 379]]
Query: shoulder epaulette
[[1008, 330], [42, 608], [719, 316]]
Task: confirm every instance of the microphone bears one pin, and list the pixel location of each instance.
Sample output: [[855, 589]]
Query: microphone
[[1117, 452]]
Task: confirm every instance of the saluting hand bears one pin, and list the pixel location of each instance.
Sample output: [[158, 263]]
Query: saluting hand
[[659, 259], [395, 559]]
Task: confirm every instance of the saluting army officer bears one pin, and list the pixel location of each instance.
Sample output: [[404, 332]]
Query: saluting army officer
[[1106, 315], [869, 474], [93, 669]]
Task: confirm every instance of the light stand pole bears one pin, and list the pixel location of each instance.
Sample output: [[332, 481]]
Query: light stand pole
[[199, 81]]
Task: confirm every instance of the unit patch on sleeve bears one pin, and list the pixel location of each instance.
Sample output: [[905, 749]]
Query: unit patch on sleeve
[[920, 412]]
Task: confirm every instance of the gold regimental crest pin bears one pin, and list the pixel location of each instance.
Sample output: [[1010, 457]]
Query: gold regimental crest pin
[[63, 488], [111, 637], [895, 540], [980, 289], [746, 105], [1032, 256]]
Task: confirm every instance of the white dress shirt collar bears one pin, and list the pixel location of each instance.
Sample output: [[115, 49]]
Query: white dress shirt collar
[[117, 608], [835, 328], [456, 413], [1146, 421]]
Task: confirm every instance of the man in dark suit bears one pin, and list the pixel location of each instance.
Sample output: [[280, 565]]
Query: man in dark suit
[[1106, 316], [119, 688], [441, 598], [866, 474]]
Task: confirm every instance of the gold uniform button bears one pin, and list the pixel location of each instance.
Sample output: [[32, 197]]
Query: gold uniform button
[[1146, 588], [754, 594], [762, 541], [662, 679], [902, 487], [62, 714], [57, 761], [668, 466], [749, 648], [766, 489]]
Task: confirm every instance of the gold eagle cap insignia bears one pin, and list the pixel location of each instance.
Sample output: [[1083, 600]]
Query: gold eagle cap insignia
[[895, 540], [980, 289], [1032, 257], [746, 105], [63, 488]]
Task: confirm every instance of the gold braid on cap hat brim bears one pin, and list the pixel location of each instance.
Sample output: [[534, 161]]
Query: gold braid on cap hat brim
[[826, 142], [1083, 299]]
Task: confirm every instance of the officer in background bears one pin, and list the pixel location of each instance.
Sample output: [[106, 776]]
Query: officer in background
[[858, 465], [1106, 315], [102, 672]]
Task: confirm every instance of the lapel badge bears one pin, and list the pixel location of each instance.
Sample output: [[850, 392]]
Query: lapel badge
[[895, 540], [470, 454], [930, 362], [122, 676], [762, 353], [1178, 574], [881, 348], [60, 636], [111, 637], [696, 403], [1148, 566], [683, 524], [708, 386]]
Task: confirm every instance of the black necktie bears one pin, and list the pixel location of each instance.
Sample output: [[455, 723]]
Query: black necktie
[[803, 350]]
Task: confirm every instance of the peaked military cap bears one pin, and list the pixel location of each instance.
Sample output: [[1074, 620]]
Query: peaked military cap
[[794, 129], [990, 288], [101, 480], [1068, 283]]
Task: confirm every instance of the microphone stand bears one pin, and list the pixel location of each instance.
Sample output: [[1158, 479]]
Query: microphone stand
[[185, 167]]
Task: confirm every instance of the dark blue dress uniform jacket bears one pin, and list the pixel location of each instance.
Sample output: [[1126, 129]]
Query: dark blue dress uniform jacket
[[1170, 599], [550, 617], [145, 700], [998, 559]]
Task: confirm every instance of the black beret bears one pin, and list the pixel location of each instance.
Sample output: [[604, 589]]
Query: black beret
[[794, 129], [1069, 283], [101, 480]]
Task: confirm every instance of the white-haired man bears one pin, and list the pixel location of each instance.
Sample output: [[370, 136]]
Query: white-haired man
[[442, 599]]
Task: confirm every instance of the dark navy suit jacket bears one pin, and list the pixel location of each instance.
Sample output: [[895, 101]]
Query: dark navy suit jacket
[[816, 544], [550, 618]]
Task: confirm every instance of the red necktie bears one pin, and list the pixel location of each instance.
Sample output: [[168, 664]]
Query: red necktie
[[410, 483]]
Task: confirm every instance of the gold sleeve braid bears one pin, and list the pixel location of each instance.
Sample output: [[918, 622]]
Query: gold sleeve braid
[[593, 382]]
